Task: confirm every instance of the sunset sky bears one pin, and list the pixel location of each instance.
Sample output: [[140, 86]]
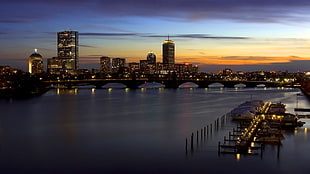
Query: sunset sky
[[244, 35]]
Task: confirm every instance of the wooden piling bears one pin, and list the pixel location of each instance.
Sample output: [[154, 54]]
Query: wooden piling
[[223, 121], [197, 137], [204, 131], [192, 141], [261, 149], [186, 145], [278, 152]]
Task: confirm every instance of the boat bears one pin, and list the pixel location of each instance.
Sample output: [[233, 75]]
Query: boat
[[247, 110], [277, 108], [242, 115]]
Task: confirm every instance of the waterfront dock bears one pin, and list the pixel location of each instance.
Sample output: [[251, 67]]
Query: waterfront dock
[[265, 126]]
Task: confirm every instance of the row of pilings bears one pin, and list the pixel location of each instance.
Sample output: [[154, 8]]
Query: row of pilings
[[201, 134]]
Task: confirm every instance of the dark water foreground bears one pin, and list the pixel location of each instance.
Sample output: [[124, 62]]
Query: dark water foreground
[[139, 131]]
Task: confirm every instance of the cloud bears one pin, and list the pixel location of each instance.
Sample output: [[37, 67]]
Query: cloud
[[96, 55], [12, 21], [87, 46], [101, 27], [202, 36], [107, 34], [190, 36], [196, 36], [89, 60], [264, 11], [249, 58]]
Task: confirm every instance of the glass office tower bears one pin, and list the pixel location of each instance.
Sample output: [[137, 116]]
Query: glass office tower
[[68, 49]]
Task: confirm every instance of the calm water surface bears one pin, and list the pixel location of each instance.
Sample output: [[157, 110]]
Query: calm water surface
[[139, 131]]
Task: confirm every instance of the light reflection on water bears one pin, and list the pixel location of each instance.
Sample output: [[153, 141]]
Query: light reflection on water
[[138, 131]]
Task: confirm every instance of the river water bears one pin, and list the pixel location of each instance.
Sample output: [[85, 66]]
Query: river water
[[140, 131]]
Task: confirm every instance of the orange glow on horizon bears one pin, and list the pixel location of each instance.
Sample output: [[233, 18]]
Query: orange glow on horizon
[[213, 60]]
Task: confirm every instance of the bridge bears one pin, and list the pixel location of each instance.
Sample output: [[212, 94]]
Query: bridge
[[135, 83]]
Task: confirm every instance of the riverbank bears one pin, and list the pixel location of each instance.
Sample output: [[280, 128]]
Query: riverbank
[[19, 93]]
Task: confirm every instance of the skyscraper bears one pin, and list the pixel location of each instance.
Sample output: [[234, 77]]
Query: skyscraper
[[168, 52], [35, 63], [68, 49], [151, 57], [105, 64]]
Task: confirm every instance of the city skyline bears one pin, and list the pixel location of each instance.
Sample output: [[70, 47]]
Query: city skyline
[[246, 36]]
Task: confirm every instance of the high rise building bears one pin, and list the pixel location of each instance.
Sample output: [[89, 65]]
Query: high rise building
[[168, 52], [35, 63], [118, 64], [151, 57], [143, 66], [105, 64], [55, 65], [134, 67], [68, 49]]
